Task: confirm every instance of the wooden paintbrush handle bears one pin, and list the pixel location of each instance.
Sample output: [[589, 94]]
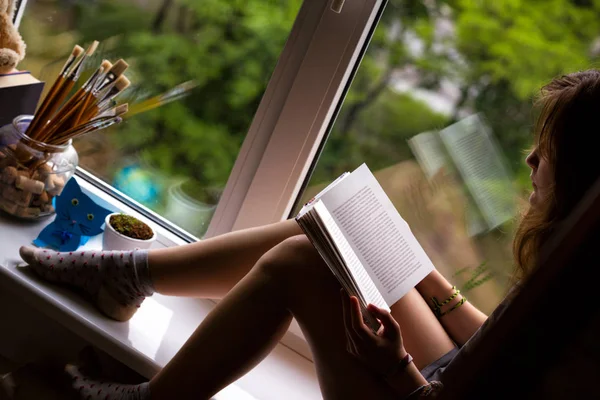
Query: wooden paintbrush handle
[[62, 115], [61, 95], [41, 132], [60, 124], [84, 105], [79, 101], [91, 111], [40, 115], [84, 129]]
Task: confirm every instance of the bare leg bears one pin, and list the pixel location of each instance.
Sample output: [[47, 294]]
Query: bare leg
[[289, 280], [234, 337], [210, 268], [424, 336]]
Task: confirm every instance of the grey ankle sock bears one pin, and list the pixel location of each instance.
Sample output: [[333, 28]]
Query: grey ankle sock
[[91, 389], [124, 274]]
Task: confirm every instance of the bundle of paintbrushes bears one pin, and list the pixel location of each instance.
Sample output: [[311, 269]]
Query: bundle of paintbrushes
[[36, 156], [92, 107]]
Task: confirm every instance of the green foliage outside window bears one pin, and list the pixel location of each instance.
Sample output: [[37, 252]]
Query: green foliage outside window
[[498, 53]]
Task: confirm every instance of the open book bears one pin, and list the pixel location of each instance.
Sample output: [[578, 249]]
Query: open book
[[361, 237], [469, 148]]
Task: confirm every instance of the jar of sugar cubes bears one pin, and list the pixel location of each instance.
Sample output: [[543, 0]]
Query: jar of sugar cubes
[[32, 173]]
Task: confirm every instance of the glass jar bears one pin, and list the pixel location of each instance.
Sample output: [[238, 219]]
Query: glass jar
[[32, 173]]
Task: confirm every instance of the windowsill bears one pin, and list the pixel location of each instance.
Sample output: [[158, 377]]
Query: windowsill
[[156, 332]]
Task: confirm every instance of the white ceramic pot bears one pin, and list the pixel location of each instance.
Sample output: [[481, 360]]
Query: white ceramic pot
[[113, 240]]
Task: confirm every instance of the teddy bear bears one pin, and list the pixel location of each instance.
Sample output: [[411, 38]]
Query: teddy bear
[[12, 47]]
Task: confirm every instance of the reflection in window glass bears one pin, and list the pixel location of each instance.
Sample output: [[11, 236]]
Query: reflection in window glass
[[441, 112], [174, 157]]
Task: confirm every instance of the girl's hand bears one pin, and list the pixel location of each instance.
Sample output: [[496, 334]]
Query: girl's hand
[[381, 351]]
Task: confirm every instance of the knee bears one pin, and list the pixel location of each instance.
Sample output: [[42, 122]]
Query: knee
[[294, 258], [292, 252]]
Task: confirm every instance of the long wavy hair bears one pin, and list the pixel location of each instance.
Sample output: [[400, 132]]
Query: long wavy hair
[[567, 133]]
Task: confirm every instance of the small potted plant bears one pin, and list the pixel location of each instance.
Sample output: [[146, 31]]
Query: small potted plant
[[124, 232]]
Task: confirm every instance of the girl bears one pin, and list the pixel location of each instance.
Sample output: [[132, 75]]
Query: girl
[[263, 276]]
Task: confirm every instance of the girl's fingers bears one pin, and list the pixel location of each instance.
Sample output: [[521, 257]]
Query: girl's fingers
[[358, 326], [346, 310], [350, 345], [391, 329]]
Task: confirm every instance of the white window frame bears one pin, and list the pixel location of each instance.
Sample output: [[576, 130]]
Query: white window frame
[[297, 130], [19, 10]]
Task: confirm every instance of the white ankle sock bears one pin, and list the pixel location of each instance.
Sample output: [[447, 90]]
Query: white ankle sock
[[124, 274], [90, 389]]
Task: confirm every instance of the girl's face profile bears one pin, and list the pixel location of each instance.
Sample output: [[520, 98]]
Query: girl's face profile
[[541, 177]]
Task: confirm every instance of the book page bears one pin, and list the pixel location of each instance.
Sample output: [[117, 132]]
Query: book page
[[381, 239], [356, 270], [17, 79], [316, 230], [319, 236], [430, 152], [479, 160], [309, 204]]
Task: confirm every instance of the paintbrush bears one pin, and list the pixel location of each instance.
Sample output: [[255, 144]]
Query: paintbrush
[[113, 91], [71, 78], [103, 88], [66, 122], [115, 111], [41, 112], [65, 88], [88, 89], [66, 115], [100, 105], [178, 92], [86, 128], [111, 76]]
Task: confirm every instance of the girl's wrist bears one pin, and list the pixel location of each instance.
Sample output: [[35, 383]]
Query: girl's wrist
[[398, 365], [406, 381], [402, 352]]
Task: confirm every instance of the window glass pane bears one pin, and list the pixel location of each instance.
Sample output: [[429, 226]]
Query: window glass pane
[[441, 112], [174, 158]]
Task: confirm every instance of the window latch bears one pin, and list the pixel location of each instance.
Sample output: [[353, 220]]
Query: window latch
[[336, 5]]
